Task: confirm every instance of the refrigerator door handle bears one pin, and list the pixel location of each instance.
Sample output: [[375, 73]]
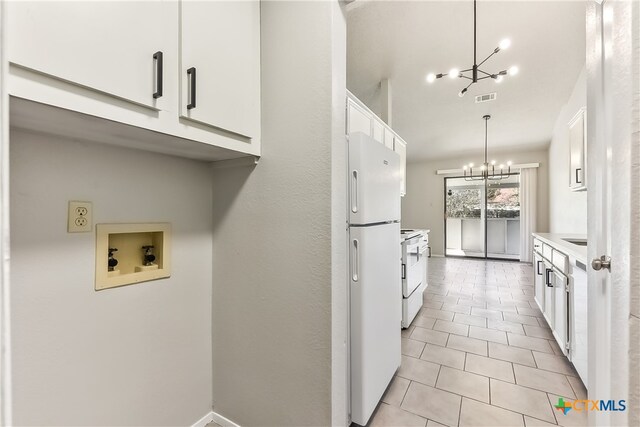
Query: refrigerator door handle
[[356, 261], [354, 193]]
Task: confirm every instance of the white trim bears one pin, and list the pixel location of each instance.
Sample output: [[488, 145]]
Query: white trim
[[459, 171], [224, 422], [202, 422]]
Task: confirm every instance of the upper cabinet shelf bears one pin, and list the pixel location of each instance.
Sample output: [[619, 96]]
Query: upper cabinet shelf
[[71, 56], [361, 119], [578, 155]]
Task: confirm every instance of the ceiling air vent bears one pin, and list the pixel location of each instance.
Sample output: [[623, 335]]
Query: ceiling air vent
[[486, 97]]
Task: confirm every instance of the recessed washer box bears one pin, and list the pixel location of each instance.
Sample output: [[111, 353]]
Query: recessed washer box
[[142, 252]]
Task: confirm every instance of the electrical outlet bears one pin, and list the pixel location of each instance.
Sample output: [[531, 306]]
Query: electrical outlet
[[79, 218]]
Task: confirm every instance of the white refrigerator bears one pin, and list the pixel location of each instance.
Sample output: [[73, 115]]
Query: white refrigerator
[[374, 275]]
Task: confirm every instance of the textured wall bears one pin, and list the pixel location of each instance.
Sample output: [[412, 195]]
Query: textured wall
[[136, 355], [274, 258], [423, 206]]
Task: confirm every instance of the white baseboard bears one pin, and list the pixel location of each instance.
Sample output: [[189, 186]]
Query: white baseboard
[[224, 422], [202, 422]]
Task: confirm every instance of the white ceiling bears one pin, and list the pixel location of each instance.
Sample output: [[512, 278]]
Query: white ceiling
[[404, 41]]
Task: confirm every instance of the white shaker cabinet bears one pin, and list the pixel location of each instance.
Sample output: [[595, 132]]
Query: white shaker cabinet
[[220, 64], [358, 119], [116, 48], [400, 147], [378, 130], [578, 153]]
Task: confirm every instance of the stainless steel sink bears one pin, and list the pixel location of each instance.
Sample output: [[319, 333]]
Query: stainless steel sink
[[579, 242]]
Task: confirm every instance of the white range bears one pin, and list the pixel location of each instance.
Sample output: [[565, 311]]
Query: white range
[[415, 250]]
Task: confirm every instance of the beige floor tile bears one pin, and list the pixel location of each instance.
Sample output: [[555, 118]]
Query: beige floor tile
[[546, 381], [406, 333], [489, 367], [430, 336], [519, 318], [578, 387], [488, 334], [392, 416], [418, 370], [432, 304], [470, 320], [538, 332], [572, 418], [423, 322], [451, 327], [503, 325], [457, 308], [476, 414], [464, 383], [534, 422], [521, 399], [396, 391], [511, 354], [431, 423], [437, 314], [551, 362], [411, 347], [530, 311], [437, 405], [470, 345], [489, 314], [444, 356], [522, 341]]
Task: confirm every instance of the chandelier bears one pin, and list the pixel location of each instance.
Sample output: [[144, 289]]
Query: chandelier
[[475, 74], [487, 171]]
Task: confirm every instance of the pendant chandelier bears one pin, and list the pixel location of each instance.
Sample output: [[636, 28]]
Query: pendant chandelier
[[475, 74], [487, 171]]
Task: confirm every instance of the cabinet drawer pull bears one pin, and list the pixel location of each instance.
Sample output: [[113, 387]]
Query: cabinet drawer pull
[[578, 181], [547, 279], [157, 57], [192, 90], [538, 268]]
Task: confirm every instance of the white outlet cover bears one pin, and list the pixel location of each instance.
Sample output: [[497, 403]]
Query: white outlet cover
[[80, 217]]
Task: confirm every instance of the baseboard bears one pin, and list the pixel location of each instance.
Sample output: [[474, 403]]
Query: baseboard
[[202, 422], [224, 422]]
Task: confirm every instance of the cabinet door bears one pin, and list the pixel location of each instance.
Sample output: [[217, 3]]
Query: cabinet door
[[577, 138], [561, 311], [378, 130], [358, 120], [400, 147], [388, 138], [549, 295], [220, 64], [105, 46], [538, 272]]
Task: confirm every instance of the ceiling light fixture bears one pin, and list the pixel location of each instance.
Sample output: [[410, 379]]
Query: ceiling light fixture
[[475, 70], [487, 170]]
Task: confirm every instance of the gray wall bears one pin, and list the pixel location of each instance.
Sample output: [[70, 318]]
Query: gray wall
[[567, 209], [279, 257], [423, 206], [136, 355]]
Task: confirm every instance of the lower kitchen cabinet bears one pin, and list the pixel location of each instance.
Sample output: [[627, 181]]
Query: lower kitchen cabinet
[[562, 314]]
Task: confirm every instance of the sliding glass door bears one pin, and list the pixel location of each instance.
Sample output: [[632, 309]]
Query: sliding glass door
[[482, 218]]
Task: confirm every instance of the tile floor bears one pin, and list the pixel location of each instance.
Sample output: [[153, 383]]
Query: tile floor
[[480, 353]]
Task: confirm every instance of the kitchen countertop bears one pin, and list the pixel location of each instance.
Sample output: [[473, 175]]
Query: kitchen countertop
[[571, 250]]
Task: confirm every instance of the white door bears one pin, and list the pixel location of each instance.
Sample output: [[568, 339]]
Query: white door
[[614, 187], [374, 180], [561, 311], [400, 147], [549, 294], [378, 131], [358, 120], [538, 280], [375, 302], [220, 64], [105, 46]]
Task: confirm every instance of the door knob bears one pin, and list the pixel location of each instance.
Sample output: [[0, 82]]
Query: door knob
[[600, 263]]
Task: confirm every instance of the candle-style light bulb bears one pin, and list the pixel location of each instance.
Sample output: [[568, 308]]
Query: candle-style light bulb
[[470, 165]]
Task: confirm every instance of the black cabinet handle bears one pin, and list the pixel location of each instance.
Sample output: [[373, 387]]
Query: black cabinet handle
[[577, 180], [157, 57], [538, 268], [547, 279], [192, 91]]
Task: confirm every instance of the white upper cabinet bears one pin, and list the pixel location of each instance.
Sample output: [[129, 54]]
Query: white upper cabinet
[[220, 64], [116, 48], [578, 156], [358, 119], [378, 130], [388, 138], [400, 147]]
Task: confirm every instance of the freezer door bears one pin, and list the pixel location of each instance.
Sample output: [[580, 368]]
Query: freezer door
[[375, 310], [374, 181]]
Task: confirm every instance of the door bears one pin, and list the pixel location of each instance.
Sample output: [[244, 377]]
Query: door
[[108, 47], [375, 302], [378, 131], [358, 120], [549, 294], [388, 138], [373, 181], [561, 310], [612, 94], [400, 147], [577, 135], [220, 64], [539, 286]]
